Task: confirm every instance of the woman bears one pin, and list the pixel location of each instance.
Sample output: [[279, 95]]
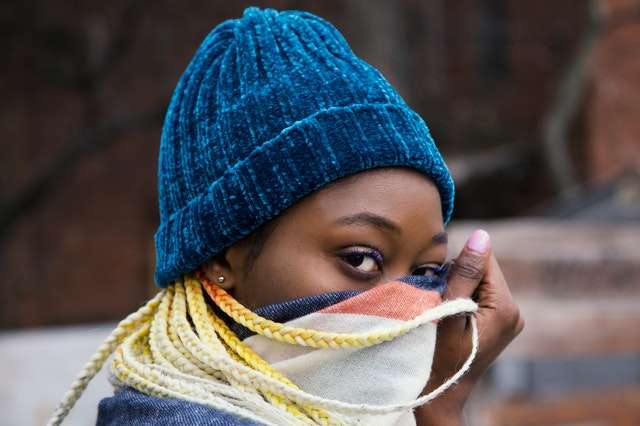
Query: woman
[[301, 251]]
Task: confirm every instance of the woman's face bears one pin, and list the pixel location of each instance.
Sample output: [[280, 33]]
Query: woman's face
[[356, 233]]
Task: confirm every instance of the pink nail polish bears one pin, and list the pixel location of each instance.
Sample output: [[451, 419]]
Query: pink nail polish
[[479, 241]]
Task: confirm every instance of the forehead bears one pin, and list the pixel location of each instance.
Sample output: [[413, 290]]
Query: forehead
[[402, 194]]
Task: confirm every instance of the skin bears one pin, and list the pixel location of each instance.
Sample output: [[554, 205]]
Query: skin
[[342, 237]]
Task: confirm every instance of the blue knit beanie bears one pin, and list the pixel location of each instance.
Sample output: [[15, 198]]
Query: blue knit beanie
[[273, 106]]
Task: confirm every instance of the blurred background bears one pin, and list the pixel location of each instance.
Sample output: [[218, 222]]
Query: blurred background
[[534, 105]]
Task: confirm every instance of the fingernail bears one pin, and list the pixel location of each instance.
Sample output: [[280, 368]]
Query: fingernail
[[479, 241]]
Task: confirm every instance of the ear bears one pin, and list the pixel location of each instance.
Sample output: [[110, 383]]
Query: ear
[[230, 264], [219, 266]]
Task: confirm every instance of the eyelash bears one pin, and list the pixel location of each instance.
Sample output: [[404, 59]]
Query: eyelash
[[365, 250]]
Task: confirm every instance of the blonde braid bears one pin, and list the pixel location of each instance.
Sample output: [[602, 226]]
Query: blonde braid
[[164, 349], [154, 380], [160, 353], [186, 338], [122, 330], [301, 336], [203, 320], [213, 326]]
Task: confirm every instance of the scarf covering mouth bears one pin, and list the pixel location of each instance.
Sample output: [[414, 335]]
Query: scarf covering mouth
[[392, 371], [379, 303], [346, 357]]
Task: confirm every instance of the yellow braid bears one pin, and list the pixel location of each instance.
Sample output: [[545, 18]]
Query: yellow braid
[[175, 346], [253, 360], [300, 336], [117, 336], [158, 338]]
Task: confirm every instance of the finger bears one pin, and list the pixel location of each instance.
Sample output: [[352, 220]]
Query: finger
[[495, 294], [495, 276], [494, 286], [470, 266], [466, 273]]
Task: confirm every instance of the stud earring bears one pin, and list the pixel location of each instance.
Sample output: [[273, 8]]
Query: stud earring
[[220, 278]]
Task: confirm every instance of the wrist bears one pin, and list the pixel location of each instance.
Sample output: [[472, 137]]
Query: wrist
[[446, 409], [439, 415]]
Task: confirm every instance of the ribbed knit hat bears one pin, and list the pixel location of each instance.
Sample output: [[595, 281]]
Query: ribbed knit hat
[[273, 106]]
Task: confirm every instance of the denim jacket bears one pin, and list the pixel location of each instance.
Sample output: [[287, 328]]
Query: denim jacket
[[129, 407]]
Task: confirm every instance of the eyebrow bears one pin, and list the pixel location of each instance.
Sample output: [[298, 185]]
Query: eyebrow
[[368, 218]]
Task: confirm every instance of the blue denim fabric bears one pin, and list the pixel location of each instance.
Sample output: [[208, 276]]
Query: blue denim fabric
[[130, 407]]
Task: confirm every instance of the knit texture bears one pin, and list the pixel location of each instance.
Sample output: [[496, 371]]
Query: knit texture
[[273, 106]]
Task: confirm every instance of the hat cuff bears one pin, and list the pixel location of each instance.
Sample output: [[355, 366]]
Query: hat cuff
[[302, 158]]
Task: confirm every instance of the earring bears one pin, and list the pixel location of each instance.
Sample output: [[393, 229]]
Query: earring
[[221, 278]]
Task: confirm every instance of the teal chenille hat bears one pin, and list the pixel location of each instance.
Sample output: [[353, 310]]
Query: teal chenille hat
[[273, 106]]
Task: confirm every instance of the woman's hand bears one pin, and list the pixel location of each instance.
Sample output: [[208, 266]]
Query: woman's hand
[[475, 273]]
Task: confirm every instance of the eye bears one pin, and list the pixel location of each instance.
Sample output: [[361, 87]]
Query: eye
[[364, 259], [430, 269]]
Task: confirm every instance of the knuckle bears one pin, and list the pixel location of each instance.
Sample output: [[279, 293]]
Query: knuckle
[[513, 318], [469, 267], [520, 325]]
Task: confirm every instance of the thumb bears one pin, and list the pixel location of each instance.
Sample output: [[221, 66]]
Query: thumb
[[470, 266]]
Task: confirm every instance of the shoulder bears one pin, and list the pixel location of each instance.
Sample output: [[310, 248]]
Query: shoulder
[[129, 407]]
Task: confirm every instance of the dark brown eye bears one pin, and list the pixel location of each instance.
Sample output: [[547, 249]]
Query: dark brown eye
[[363, 262], [430, 269], [363, 259]]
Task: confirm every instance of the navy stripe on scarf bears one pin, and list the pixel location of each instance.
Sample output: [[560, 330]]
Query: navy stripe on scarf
[[296, 308]]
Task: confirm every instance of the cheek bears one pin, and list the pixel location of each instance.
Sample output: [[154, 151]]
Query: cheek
[[291, 274]]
